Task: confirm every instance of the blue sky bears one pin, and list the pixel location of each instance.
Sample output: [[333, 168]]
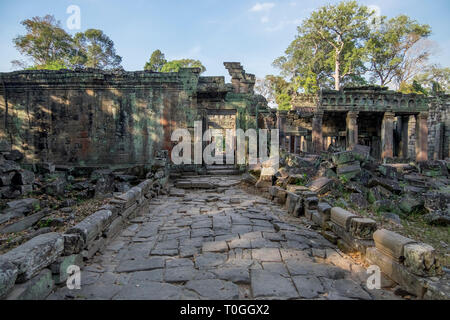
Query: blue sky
[[213, 31]]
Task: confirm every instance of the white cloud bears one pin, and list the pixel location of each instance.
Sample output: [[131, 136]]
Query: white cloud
[[264, 19], [283, 24], [265, 6]]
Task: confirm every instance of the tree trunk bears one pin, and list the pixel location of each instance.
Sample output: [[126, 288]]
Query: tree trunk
[[337, 73]]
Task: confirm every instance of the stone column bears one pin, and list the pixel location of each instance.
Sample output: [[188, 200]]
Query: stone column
[[404, 141], [387, 135], [281, 124], [297, 145], [421, 137], [317, 138], [352, 129], [302, 144]]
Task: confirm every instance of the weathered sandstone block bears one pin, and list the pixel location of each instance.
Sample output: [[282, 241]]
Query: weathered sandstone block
[[36, 254], [342, 217], [362, 228], [391, 243], [421, 260]]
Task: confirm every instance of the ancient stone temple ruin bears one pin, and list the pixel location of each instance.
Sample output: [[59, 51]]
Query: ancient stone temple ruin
[[86, 180], [95, 118], [404, 126]]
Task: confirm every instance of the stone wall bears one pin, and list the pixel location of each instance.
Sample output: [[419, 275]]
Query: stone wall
[[93, 117]]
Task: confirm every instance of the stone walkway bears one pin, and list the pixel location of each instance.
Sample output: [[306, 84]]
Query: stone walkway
[[220, 244]]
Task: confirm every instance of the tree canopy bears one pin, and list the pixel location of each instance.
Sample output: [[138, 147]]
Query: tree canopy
[[157, 61], [175, 65], [48, 46]]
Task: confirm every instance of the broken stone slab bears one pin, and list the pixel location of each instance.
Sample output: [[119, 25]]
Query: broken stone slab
[[37, 288], [25, 223], [391, 243], [325, 210], [8, 275], [9, 166], [389, 184], [361, 152], [93, 247], [342, 217], [321, 185], [295, 188], [339, 158], [437, 218], [92, 225], [348, 170], [421, 259], [127, 199], [362, 228], [397, 272], [359, 200], [388, 171], [36, 254], [311, 203], [30, 204]]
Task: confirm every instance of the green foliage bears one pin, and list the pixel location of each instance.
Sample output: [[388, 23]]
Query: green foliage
[[434, 80], [45, 223], [329, 46], [46, 43], [389, 45], [94, 49], [157, 61], [49, 47], [175, 65]]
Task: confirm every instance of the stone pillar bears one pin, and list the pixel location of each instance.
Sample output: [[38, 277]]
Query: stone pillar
[[297, 144], [421, 137], [302, 144], [292, 144], [404, 141], [412, 137], [317, 139], [352, 129], [387, 135], [281, 124]]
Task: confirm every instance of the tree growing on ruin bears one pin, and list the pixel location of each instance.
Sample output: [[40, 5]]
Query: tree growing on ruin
[[94, 49], [49, 47], [396, 50], [157, 61], [46, 44], [330, 44], [175, 65]]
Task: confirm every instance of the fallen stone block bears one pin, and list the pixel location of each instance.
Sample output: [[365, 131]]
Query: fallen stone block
[[145, 186], [37, 288], [95, 246], [60, 266], [73, 243], [311, 203], [30, 204], [25, 223], [114, 228], [128, 198], [391, 243], [397, 272], [296, 189], [36, 254], [321, 185], [353, 244], [291, 202], [129, 211], [325, 210], [339, 158], [92, 226], [342, 217], [362, 228], [348, 170], [389, 184], [8, 275], [421, 259]]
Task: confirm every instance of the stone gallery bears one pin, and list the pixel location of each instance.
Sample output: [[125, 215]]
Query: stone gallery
[[87, 181]]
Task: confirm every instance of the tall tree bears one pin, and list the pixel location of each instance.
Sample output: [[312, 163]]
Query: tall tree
[[335, 35], [434, 79], [396, 50], [45, 43], [157, 61], [175, 65], [94, 49]]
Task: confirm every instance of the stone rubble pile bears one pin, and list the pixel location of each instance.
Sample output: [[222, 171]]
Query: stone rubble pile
[[412, 265]]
